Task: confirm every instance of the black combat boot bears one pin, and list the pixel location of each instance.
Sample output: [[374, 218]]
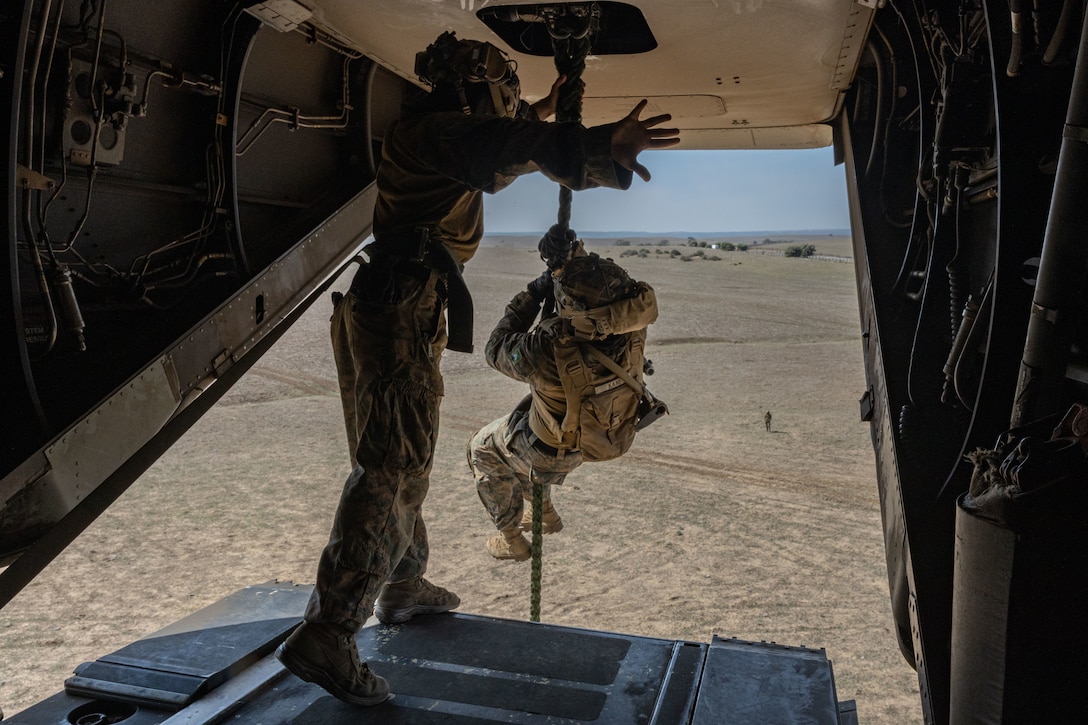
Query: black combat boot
[[326, 655]]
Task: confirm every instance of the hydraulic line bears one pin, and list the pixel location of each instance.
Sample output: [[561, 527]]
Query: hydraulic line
[[1060, 31], [28, 226], [878, 120], [295, 119], [369, 130]]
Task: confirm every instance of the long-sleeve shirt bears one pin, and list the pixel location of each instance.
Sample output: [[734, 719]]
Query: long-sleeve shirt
[[435, 168], [526, 353]]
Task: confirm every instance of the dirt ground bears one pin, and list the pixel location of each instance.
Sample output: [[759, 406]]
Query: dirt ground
[[710, 525]]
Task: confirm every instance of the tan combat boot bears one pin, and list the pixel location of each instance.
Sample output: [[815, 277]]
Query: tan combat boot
[[551, 523], [400, 601], [509, 544], [325, 654]]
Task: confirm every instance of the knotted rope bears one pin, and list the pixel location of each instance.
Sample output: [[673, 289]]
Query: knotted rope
[[570, 60], [571, 42], [537, 550]]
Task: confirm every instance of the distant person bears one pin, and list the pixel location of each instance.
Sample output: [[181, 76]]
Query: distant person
[[470, 134], [767, 420], [601, 312]]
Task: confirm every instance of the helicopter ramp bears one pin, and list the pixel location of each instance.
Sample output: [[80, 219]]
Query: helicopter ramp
[[217, 665]]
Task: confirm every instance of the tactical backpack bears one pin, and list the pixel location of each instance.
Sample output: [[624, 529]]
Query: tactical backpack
[[605, 408]]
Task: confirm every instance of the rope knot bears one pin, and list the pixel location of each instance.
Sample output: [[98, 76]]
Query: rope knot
[[556, 245]]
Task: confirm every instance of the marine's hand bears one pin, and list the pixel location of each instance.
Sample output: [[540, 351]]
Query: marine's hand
[[541, 286], [631, 136], [545, 107]]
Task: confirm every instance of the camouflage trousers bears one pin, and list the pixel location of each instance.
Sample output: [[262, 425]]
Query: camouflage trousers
[[506, 465], [388, 334]]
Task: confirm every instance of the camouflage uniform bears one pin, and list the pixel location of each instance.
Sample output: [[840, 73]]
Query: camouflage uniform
[[506, 465], [526, 447], [389, 330], [507, 456]]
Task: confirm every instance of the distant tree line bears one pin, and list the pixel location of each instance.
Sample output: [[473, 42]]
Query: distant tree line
[[800, 250], [699, 253]]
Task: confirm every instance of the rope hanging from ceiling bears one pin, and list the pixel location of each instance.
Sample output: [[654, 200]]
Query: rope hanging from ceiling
[[571, 34]]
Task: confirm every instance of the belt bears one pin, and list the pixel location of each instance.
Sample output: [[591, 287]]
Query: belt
[[545, 448], [416, 245]]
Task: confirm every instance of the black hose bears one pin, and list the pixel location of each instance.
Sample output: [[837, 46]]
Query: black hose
[[1060, 31], [1015, 54]]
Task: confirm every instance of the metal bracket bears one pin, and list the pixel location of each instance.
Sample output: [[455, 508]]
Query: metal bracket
[[29, 179], [222, 362]]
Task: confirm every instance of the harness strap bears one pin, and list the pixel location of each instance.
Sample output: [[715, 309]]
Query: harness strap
[[417, 245], [611, 365], [459, 299]]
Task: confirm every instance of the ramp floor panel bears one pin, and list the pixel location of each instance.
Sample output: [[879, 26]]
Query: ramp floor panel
[[765, 682], [461, 668], [454, 668], [176, 665]]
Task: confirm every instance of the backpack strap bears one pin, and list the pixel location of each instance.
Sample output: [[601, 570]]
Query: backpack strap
[[574, 377], [611, 365]]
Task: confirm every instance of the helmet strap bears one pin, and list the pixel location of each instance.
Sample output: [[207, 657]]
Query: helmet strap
[[465, 109], [497, 103]]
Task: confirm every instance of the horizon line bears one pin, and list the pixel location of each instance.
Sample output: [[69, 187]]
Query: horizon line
[[678, 233]]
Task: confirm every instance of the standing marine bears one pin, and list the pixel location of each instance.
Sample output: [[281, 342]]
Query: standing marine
[[470, 134]]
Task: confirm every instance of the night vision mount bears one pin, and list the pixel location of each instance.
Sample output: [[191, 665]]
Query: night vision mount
[[449, 60], [451, 63]]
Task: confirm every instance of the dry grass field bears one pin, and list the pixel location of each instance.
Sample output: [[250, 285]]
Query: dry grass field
[[710, 525]]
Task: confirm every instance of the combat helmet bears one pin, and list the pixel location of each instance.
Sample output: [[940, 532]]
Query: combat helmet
[[482, 77], [598, 298], [590, 281]]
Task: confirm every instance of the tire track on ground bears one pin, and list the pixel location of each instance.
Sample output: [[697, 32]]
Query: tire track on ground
[[302, 382], [713, 472], [465, 423], [708, 474]]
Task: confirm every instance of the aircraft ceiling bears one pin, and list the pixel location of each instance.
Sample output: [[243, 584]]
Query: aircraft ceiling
[[735, 74]]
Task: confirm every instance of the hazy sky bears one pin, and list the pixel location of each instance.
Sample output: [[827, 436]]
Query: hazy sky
[[691, 191]]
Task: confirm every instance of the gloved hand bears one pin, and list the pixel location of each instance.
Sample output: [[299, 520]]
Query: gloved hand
[[540, 287]]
